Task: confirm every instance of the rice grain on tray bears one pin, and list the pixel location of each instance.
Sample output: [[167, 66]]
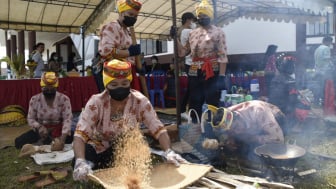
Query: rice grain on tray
[[132, 160]]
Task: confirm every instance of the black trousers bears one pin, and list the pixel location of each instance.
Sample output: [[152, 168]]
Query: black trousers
[[202, 91], [101, 160], [31, 137]]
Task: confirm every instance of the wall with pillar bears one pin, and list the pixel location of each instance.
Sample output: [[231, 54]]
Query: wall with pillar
[[21, 45], [13, 45], [31, 41]]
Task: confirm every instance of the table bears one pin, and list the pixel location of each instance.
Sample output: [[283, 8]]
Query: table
[[244, 82], [136, 83], [19, 92]]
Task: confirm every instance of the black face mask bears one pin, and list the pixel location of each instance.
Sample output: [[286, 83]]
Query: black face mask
[[49, 94], [119, 93], [129, 21], [204, 21]]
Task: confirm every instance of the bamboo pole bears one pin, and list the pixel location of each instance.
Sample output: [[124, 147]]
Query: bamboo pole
[[177, 74], [139, 65]]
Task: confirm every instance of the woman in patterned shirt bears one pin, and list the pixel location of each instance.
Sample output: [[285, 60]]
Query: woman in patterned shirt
[[49, 115], [111, 113], [244, 126], [115, 37], [206, 74]]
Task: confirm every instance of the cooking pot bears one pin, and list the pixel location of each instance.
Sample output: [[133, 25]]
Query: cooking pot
[[280, 154]]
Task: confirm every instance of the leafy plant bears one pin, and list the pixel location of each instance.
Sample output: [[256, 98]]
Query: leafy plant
[[16, 64]]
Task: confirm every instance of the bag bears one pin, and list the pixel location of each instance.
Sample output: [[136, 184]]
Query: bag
[[12, 116], [192, 136]]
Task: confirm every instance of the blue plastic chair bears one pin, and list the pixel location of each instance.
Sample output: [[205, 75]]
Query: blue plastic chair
[[155, 83]]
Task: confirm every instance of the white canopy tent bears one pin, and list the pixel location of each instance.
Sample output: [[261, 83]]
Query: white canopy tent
[[154, 21]]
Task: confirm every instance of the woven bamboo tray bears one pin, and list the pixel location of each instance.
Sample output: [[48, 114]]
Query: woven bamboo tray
[[165, 175]]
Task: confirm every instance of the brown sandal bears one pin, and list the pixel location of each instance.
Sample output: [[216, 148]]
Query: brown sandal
[[52, 177], [27, 178], [34, 176]]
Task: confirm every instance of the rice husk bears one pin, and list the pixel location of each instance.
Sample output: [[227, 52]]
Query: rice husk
[[132, 167], [132, 161]]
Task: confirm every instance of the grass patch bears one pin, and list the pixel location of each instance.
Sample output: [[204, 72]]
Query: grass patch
[[12, 167]]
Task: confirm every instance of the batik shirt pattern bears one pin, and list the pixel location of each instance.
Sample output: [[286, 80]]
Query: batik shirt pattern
[[40, 113], [259, 120], [205, 43], [114, 36], [96, 128]]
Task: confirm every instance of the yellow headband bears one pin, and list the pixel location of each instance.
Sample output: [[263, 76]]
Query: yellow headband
[[116, 69], [226, 121], [49, 79], [125, 5], [205, 8]]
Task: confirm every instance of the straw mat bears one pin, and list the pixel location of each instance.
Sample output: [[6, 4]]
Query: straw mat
[[165, 175], [8, 134], [169, 111]]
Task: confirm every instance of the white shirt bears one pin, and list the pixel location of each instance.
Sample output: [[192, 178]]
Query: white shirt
[[322, 57], [184, 39], [37, 57]]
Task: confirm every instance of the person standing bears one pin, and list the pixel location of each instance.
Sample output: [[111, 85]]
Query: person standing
[[322, 55], [270, 65], [155, 63], [110, 114], [53, 63], [188, 24], [71, 65], [283, 90], [206, 74], [323, 65], [97, 66], [304, 59], [115, 37], [37, 57]]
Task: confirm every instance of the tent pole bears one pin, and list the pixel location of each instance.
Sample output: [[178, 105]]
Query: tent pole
[[177, 70], [214, 2], [82, 31]]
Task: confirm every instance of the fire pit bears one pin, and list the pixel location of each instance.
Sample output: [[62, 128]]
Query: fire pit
[[279, 160]]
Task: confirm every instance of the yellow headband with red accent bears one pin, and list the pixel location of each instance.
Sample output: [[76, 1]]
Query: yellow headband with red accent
[[49, 79], [116, 69], [226, 120], [205, 8], [125, 5]]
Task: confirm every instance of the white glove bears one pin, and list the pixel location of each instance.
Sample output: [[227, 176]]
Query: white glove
[[210, 144], [174, 158], [82, 169]]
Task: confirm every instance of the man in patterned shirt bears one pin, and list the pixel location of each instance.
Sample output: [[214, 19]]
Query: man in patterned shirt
[[108, 115], [115, 37], [206, 74], [49, 115]]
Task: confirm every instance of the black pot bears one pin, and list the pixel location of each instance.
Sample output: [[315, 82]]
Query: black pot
[[279, 155]]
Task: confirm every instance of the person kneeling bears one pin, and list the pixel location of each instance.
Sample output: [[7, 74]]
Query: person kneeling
[[243, 127], [49, 115], [108, 115]]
